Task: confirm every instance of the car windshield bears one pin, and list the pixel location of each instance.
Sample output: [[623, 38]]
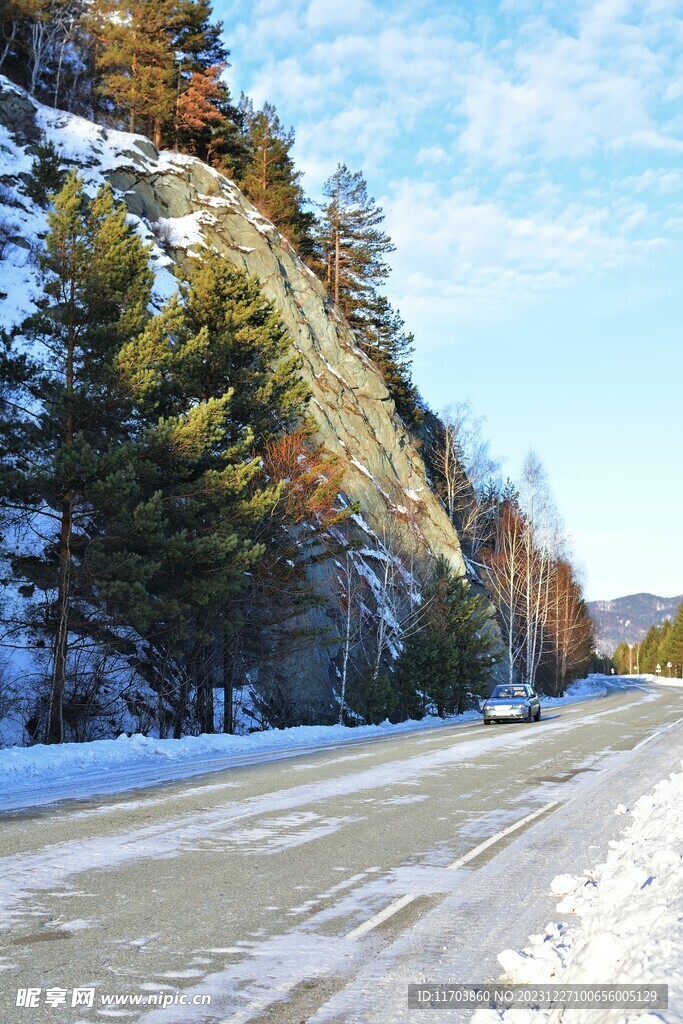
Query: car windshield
[[509, 691]]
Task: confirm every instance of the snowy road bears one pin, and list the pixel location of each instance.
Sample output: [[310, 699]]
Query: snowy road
[[317, 887]]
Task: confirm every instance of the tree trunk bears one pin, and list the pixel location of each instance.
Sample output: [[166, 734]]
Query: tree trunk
[[336, 265], [8, 43], [55, 718], [228, 723], [181, 707]]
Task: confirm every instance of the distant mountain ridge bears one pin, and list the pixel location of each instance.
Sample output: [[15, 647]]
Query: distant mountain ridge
[[627, 619]]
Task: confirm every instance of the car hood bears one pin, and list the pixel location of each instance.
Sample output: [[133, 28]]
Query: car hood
[[505, 701]]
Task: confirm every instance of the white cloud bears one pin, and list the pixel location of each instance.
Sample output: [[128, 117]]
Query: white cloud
[[472, 245], [431, 155], [515, 149], [561, 95], [323, 15]]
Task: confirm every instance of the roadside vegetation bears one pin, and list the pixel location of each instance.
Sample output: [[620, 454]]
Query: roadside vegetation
[[661, 649], [164, 507]]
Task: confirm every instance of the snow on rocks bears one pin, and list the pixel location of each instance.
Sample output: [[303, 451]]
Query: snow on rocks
[[627, 924]]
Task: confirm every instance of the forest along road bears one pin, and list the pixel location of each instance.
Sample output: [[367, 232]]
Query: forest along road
[[297, 890]]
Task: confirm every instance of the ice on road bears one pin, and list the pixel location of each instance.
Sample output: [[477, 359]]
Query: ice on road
[[267, 885]]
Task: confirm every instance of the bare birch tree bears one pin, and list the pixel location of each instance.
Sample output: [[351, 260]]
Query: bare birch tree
[[466, 467], [351, 595], [503, 574], [538, 554]]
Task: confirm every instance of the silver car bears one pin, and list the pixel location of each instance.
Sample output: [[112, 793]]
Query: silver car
[[512, 703]]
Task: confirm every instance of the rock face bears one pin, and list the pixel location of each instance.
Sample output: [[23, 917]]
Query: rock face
[[356, 416], [188, 206]]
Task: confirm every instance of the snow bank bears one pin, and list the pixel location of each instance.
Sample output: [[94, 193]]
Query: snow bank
[[71, 758], [583, 689], [628, 919], [42, 761], [41, 774]]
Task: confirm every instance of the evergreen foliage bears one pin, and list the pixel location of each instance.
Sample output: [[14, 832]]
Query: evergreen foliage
[[135, 61], [675, 647], [64, 417], [446, 663], [270, 179], [355, 250], [354, 245], [149, 500], [243, 347], [46, 175], [663, 646], [159, 63]]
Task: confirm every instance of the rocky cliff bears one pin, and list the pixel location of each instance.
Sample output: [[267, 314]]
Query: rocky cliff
[[183, 206]]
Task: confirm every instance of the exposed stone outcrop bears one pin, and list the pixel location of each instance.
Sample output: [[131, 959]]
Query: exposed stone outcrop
[[351, 403], [188, 205]]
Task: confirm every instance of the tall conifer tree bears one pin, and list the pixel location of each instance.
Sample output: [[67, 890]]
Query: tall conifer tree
[[355, 251], [447, 662], [65, 418], [271, 180]]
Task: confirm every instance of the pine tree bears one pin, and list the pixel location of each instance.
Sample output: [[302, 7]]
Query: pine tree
[[447, 662], [648, 650], [46, 175], [663, 653], [205, 120], [244, 348], [136, 61], [222, 349], [385, 339], [355, 247], [197, 40], [64, 422], [271, 180], [675, 649], [224, 143], [198, 107], [354, 250]]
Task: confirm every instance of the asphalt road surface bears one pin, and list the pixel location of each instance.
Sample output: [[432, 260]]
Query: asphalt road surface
[[315, 888]]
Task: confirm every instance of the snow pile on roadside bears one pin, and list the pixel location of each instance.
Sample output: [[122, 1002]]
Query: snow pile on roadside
[[582, 689], [73, 759], [628, 925], [69, 758]]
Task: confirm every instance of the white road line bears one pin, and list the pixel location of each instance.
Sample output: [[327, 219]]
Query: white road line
[[654, 735], [501, 835], [404, 901], [383, 915]]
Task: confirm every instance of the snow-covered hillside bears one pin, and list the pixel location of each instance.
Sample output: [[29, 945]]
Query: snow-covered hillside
[[627, 619], [180, 206]]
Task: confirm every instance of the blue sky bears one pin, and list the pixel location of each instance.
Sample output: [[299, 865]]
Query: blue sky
[[529, 160]]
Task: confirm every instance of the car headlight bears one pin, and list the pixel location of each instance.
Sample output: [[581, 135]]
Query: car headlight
[[518, 707]]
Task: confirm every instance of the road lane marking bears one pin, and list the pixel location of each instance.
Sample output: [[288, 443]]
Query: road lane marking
[[653, 735], [383, 915], [404, 901], [501, 835]]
